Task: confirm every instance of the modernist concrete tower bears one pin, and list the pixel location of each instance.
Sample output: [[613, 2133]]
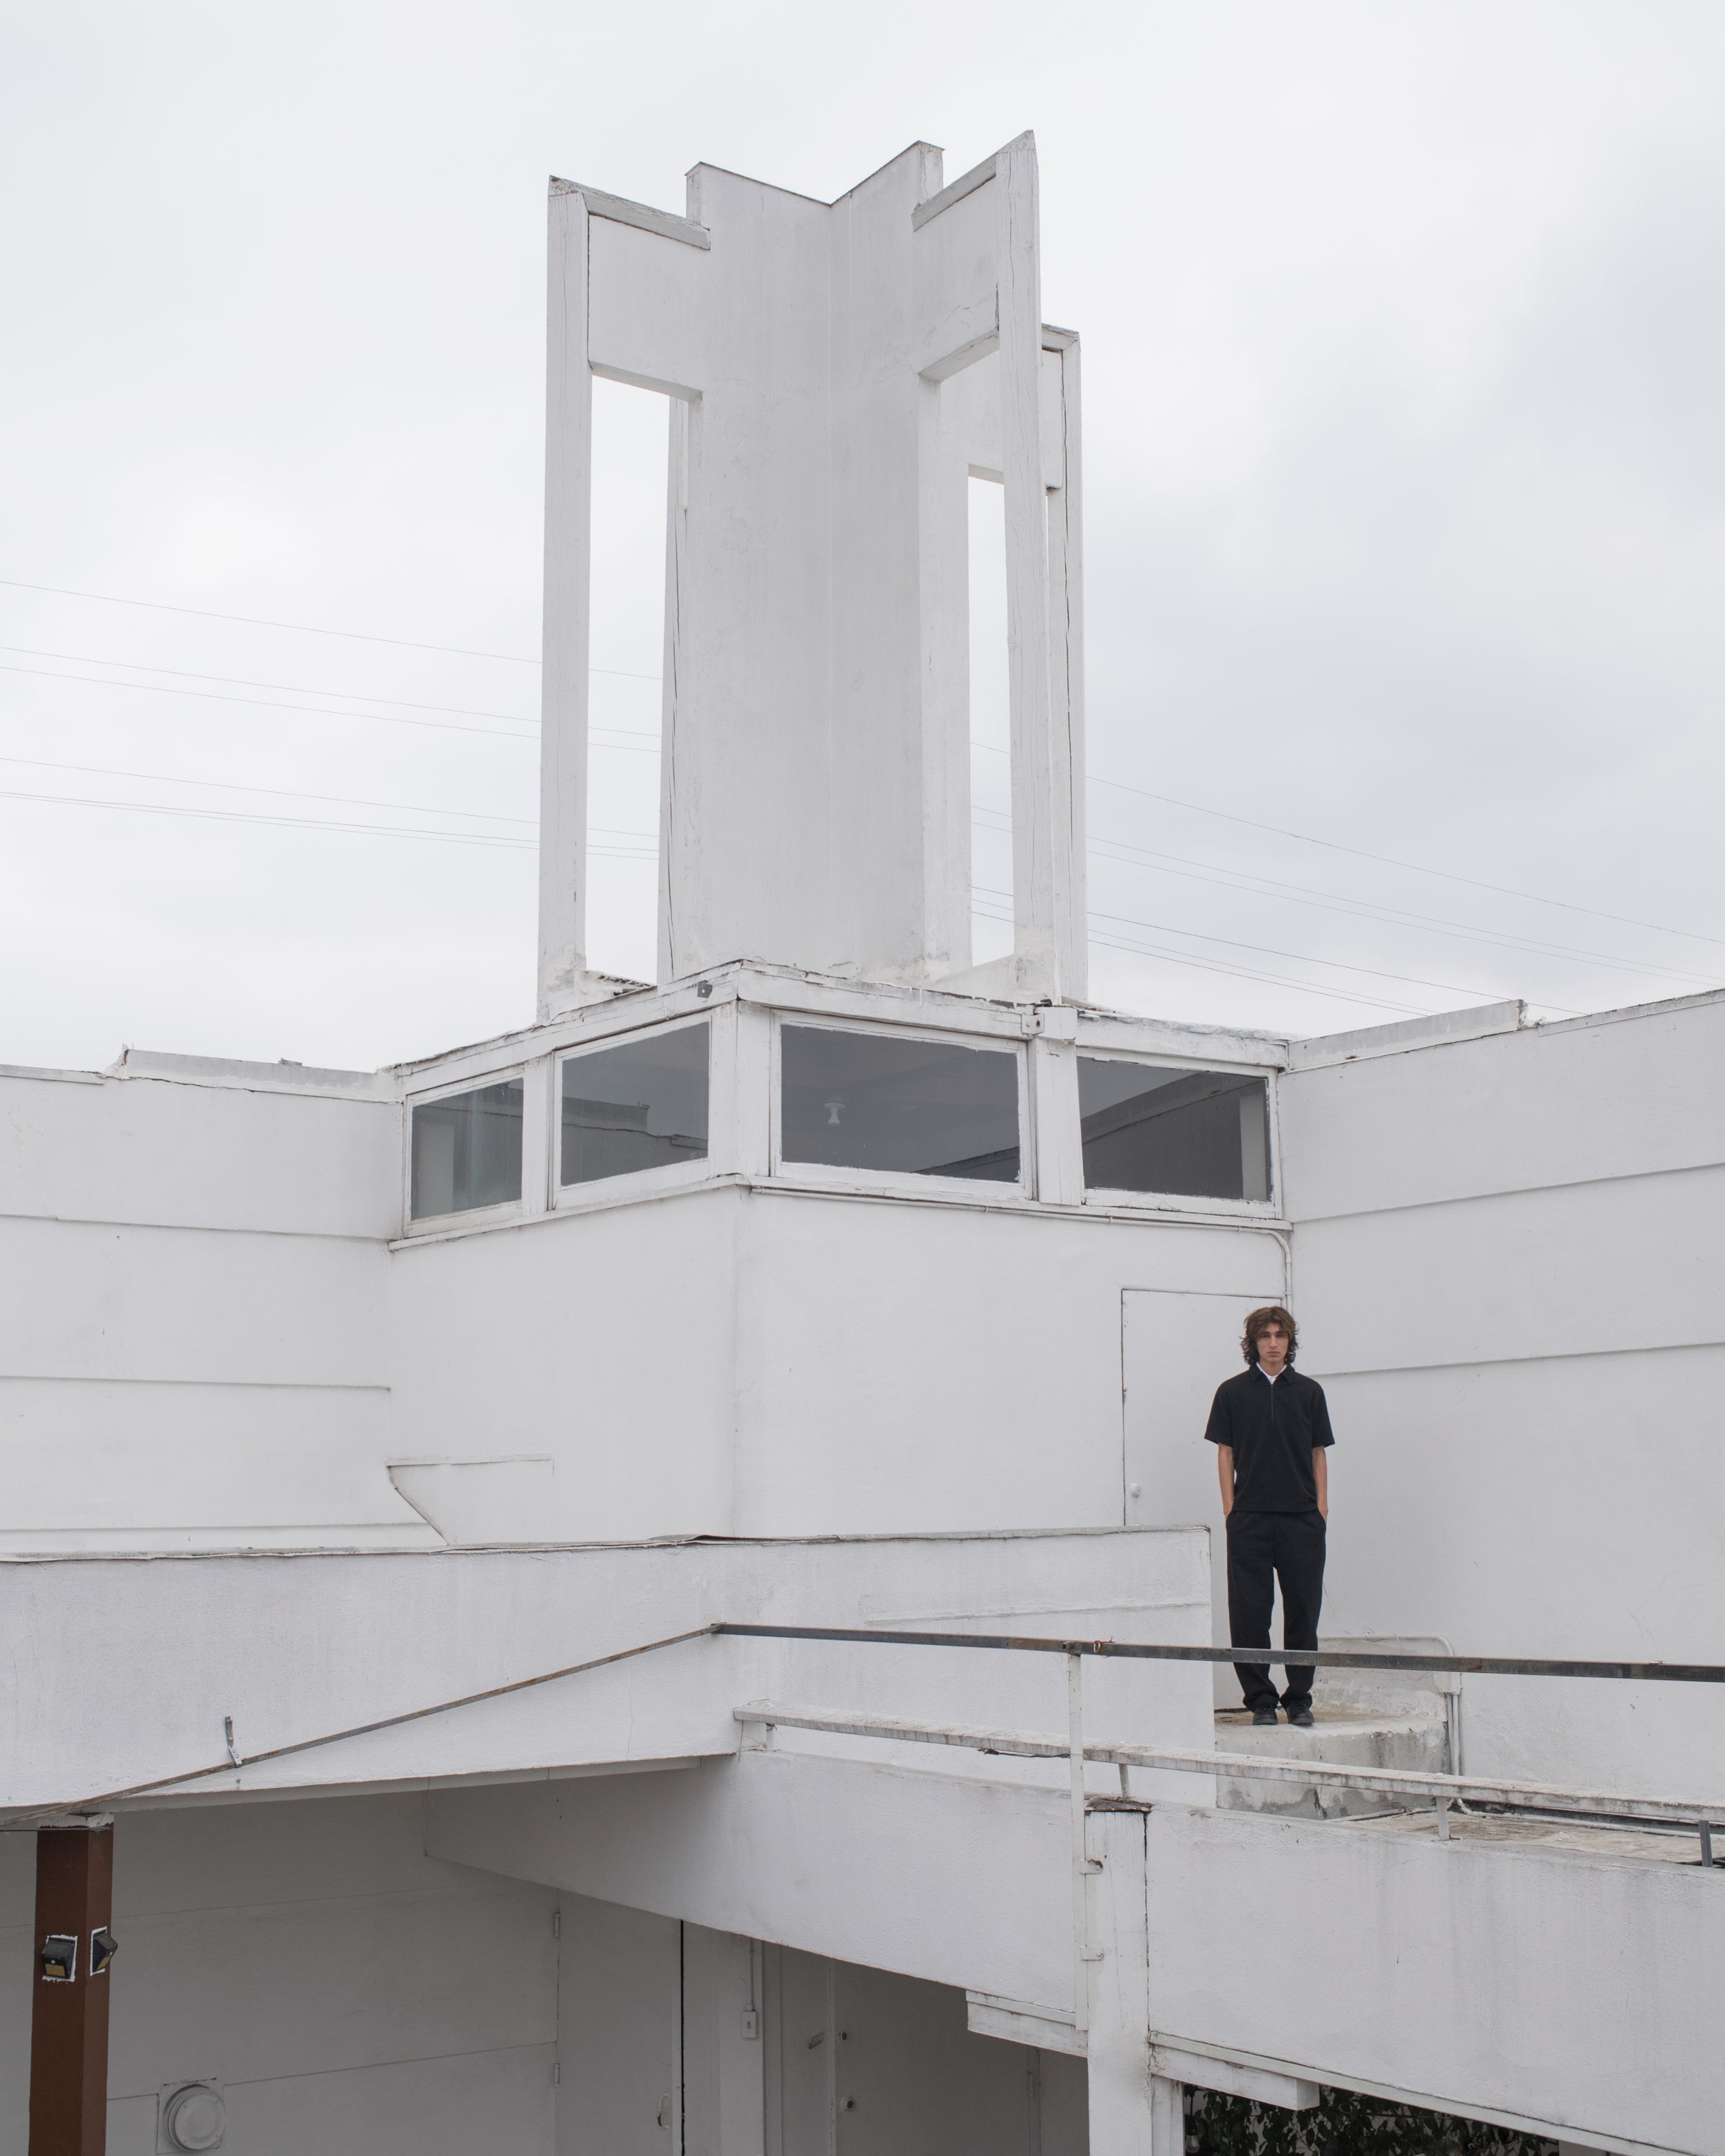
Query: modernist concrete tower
[[837, 371]]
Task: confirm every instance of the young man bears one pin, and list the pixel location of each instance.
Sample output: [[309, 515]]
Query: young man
[[1270, 1427]]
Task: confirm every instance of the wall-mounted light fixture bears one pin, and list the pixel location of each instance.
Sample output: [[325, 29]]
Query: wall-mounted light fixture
[[833, 1109], [103, 1948], [60, 1958]]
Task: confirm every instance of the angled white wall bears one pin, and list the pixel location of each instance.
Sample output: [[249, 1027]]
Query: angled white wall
[[192, 1337]]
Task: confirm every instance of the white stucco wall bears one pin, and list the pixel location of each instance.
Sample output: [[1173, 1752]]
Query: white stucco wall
[[1507, 1270], [1575, 1990], [758, 1362], [918, 1366], [193, 1338], [292, 1647], [602, 1341], [348, 1990]]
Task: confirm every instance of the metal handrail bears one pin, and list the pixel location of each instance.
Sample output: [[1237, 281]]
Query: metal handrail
[[1546, 1797], [1505, 1665], [1029, 1643]]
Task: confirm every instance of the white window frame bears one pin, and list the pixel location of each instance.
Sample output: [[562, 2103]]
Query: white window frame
[[611, 1189], [473, 1216], [900, 1182], [1107, 1199]]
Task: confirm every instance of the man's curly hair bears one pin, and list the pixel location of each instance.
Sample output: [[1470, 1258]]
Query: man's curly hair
[[1260, 1321]]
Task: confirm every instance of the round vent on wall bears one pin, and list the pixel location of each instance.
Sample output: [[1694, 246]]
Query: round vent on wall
[[193, 2116]]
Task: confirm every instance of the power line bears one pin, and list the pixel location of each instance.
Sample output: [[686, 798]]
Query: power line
[[1358, 909], [516, 659], [529, 727], [301, 628], [1256, 886], [1394, 916], [1300, 958], [241, 681], [649, 852], [311, 823], [279, 792], [415, 809], [1418, 868], [1309, 958], [1120, 786], [1239, 972], [281, 822], [267, 704], [252, 621]]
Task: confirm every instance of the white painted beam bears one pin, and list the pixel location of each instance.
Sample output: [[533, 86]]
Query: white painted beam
[[568, 525]]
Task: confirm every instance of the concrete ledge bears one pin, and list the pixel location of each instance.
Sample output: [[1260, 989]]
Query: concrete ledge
[[1413, 1740]]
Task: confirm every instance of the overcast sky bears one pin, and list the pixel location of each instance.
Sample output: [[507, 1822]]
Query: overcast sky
[[1404, 442]]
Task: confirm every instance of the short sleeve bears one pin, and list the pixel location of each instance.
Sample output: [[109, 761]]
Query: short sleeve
[[1219, 1429], [1321, 1433]]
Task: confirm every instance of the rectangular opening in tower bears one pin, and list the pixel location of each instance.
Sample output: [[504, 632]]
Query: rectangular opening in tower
[[991, 912], [630, 449]]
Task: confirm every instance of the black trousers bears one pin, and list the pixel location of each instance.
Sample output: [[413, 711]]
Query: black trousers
[[1263, 1547]]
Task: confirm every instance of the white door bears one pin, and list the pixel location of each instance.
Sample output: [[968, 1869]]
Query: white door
[[1175, 1349]]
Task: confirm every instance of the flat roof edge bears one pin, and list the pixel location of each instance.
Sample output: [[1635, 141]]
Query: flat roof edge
[[233, 1071], [1441, 1028]]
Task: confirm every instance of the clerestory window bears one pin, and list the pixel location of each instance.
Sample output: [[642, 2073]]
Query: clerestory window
[[639, 1105], [891, 1103], [1173, 1132], [467, 1151]]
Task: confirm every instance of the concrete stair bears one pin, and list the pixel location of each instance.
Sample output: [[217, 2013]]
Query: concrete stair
[[1408, 1719]]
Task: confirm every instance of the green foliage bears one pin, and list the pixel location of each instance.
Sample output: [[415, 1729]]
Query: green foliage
[[1343, 2124]]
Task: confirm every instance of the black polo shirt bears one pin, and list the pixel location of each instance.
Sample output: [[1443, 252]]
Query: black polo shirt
[[1273, 1429]]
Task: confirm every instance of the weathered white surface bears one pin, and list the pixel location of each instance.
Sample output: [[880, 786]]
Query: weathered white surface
[[296, 1647], [1508, 1272], [1625, 1093], [1415, 1741], [619, 2026], [216, 1336], [1576, 1991], [1559, 1986], [348, 1990], [605, 1342], [198, 1150], [1178, 1343], [819, 1344], [220, 1331], [193, 1340], [815, 801], [959, 1880], [870, 1327]]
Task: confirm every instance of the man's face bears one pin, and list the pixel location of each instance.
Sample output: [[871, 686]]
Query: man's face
[[1272, 1348]]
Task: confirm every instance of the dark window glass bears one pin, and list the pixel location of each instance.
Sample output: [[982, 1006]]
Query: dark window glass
[[467, 1151], [642, 1104], [922, 1107], [1183, 1133]]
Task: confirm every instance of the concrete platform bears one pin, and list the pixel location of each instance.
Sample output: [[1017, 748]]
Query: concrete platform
[[1575, 1837], [1413, 1737]]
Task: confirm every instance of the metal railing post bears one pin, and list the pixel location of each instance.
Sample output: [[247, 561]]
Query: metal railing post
[[1084, 1866]]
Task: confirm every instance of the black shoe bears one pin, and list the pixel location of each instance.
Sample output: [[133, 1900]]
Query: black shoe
[[1299, 1720], [1263, 1717]]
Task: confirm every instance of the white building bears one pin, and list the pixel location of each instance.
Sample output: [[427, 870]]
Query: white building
[[836, 1282]]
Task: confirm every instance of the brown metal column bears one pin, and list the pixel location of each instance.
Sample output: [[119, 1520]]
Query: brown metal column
[[68, 2023]]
